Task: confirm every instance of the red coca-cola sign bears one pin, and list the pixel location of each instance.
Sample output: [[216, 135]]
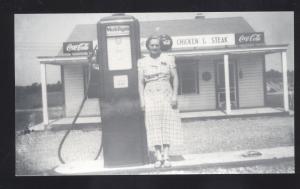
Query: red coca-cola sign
[[78, 46], [249, 38]]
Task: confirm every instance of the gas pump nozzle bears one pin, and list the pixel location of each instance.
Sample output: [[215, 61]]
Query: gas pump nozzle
[[86, 96]]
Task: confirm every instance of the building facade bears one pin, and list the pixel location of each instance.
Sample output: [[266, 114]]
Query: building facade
[[220, 63]]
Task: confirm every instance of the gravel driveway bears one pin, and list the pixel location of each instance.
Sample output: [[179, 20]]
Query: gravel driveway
[[36, 152], [283, 167]]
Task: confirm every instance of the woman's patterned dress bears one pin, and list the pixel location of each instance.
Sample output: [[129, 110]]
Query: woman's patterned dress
[[163, 124]]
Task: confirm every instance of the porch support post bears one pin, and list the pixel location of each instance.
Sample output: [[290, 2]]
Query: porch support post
[[227, 84], [285, 81], [44, 94]]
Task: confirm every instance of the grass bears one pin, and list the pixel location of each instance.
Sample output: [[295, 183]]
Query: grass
[[274, 100], [55, 109], [22, 118], [35, 100], [36, 153]]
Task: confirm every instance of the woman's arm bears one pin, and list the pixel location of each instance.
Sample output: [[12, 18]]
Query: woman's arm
[[175, 83], [141, 88]]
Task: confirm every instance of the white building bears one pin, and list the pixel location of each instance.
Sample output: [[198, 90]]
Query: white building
[[220, 62]]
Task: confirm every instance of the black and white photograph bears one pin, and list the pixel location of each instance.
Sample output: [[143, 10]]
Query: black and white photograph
[[154, 93]]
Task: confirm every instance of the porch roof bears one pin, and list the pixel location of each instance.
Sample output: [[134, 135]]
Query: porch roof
[[66, 60], [265, 49], [83, 59]]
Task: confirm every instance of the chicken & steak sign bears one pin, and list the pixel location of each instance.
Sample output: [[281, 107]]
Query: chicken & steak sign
[[203, 41], [213, 40], [198, 41]]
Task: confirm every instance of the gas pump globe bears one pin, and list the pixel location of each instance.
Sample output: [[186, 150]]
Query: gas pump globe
[[124, 138]]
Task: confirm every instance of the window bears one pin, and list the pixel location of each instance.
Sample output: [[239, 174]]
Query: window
[[188, 78]]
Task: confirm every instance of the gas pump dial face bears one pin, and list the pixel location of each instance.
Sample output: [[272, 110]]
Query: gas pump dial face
[[119, 53], [118, 40], [118, 47]]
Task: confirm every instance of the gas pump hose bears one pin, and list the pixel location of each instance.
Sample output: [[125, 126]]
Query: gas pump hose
[[75, 119]]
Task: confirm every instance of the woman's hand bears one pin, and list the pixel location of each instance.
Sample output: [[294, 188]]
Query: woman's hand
[[174, 102], [142, 105]]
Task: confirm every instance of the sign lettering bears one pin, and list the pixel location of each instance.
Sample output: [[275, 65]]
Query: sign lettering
[[249, 38], [117, 30], [73, 47], [198, 41]]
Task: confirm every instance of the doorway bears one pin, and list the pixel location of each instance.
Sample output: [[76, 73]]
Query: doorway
[[220, 85]]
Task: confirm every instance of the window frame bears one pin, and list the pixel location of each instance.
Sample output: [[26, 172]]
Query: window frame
[[195, 64]]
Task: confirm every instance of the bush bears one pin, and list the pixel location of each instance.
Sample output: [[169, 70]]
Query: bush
[[28, 97]]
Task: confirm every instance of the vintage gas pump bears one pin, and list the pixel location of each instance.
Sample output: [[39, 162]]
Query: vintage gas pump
[[124, 138]]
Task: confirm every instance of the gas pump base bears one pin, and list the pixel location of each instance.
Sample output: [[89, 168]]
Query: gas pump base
[[80, 167]]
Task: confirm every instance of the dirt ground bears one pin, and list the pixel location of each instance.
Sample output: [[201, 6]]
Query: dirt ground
[[36, 153]]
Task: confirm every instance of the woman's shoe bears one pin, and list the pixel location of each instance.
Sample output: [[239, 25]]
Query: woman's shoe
[[166, 164], [158, 164]]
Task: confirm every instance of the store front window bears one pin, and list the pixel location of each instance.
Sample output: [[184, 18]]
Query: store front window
[[188, 78]]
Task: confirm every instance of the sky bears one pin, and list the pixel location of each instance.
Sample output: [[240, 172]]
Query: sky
[[43, 35]]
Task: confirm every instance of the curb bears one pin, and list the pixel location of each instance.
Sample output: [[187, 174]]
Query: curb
[[192, 161]]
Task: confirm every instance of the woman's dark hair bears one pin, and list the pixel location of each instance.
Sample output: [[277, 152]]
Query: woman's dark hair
[[153, 37]]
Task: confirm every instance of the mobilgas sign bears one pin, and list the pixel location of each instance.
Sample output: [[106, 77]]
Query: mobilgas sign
[[117, 30], [80, 46], [249, 38]]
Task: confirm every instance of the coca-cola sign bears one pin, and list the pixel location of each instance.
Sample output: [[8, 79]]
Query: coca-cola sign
[[82, 46], [249, 38]]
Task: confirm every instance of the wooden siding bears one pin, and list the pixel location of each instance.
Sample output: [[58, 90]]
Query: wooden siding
[[251, 88], [74, 92], [206, 99], [251, 91]]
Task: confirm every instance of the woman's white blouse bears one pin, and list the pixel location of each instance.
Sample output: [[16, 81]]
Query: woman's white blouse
[[156, 69]]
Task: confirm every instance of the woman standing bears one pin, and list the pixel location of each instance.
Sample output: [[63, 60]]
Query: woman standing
[[158, 86]]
